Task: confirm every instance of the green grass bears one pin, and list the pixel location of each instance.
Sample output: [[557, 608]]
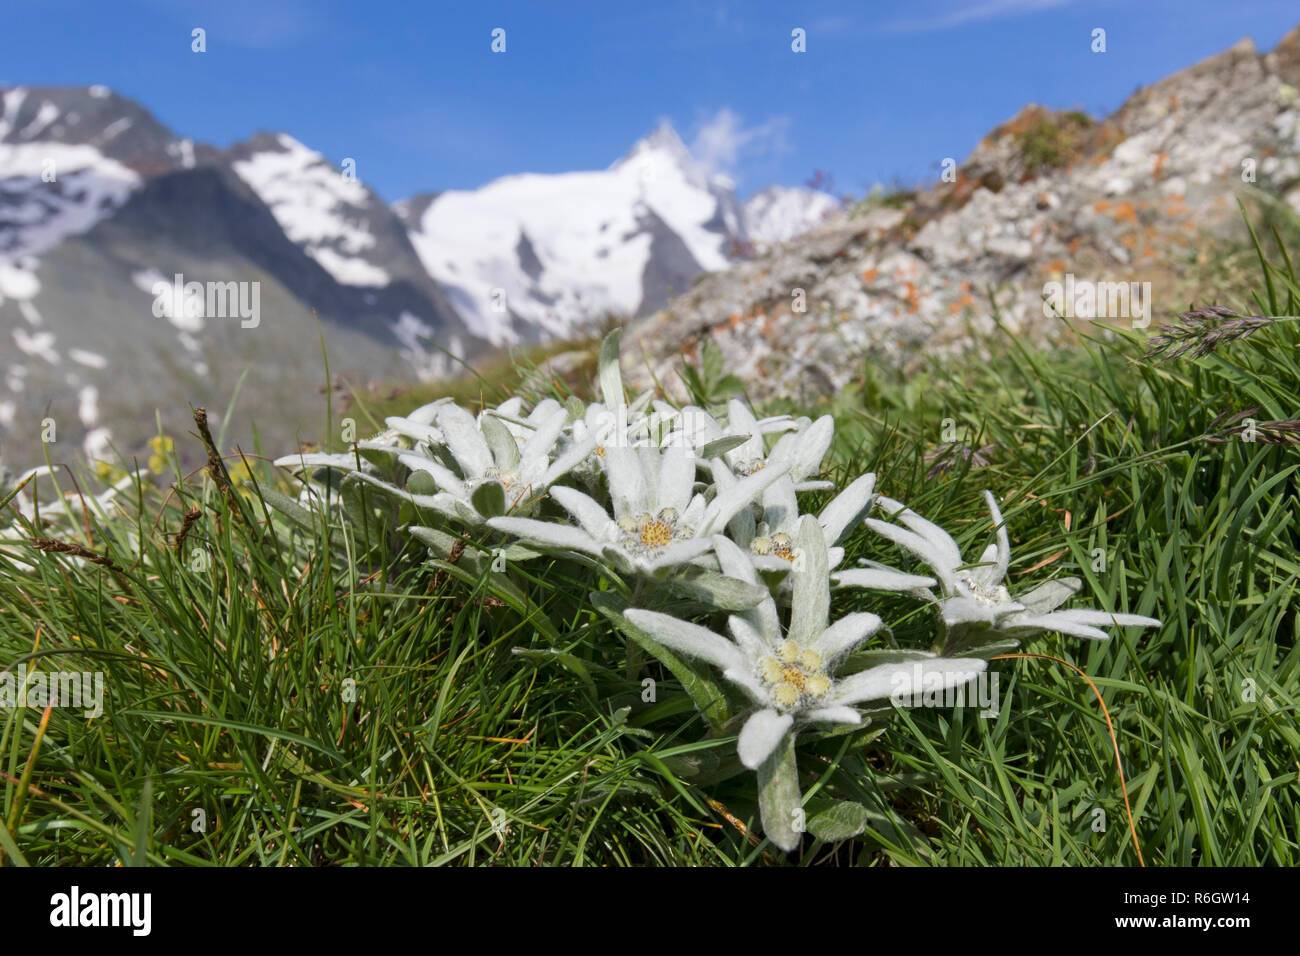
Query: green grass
[[326, 695]]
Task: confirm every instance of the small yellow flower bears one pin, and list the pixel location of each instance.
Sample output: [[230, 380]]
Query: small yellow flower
[[162, 447], [108, 472], [240, 473]]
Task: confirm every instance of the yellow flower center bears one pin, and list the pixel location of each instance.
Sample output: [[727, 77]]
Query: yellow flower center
[[656, 534], [647, 533], [793, 673]]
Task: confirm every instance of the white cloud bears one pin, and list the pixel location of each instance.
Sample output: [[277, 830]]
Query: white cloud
[[974, 13], [723, 140]]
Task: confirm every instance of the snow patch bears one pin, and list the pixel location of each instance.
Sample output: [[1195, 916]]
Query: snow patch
[[318, 208], [35, 215], [88, 406], [40, 344], [96, 444], [779, 214], [171, 305], [88, 359]]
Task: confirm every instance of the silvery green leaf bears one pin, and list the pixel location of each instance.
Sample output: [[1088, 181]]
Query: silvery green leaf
[[489, 499], [573, 405], [519, 552], [360, 504], [421, 483], [716, 590], [505, 450], [346, 461], [1050, 595], [295, 512], [706, 693], [843, 820], [468, 514], [440, 541], [720, 446], [693, 764], [780, 802], [611, 377]]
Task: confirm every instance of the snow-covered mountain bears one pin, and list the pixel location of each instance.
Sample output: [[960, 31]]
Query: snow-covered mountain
[[540, 256], [781, 213], [102, 206]]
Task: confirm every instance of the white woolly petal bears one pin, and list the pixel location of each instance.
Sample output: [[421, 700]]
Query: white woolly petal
[[806, 449], [833, 715], [964, 610], [689, 639], [1051, 622], [724, 507], [748, 638], [677, 553], [1085, 615], [847, 508], [923, 548], [987, 573], [569, 460], [589, 514], [941, 541], [845, 634], [880, 579], [905, 677], [538, 447], [1003, 545], [780, 507], [676, 479], [734, 562], [416, 430], [547, 534], [425, 414], [442, 477], [464, 440], [740, 421], [627, 484], [761, 735]]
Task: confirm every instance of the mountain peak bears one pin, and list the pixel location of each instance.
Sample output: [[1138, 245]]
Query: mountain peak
[[663, 144]]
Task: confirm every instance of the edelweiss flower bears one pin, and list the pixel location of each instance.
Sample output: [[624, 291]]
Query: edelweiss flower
[[790, 676], [658, 520], [770, 540], [742, 432], [487, 456], [481, 467], [976, 596], [802, 446]]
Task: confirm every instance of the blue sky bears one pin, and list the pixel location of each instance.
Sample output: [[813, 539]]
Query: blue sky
[[413, 92]]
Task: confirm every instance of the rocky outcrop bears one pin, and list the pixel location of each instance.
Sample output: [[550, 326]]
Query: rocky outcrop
[[1116, 213]]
